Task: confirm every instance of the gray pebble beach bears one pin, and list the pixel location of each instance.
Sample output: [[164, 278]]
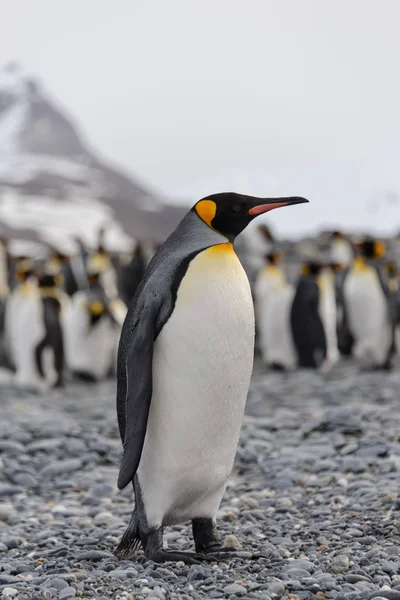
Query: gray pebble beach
[[311, 505]]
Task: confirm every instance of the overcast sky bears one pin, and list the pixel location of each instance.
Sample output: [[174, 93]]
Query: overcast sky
[[178, 90]]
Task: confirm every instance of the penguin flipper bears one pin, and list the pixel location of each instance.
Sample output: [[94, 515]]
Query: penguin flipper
[[139, 387]]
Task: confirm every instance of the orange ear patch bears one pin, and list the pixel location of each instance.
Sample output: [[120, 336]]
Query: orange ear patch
[[206, 209]]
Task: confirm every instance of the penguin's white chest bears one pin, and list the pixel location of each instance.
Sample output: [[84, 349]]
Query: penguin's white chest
[[202, 365], [368, 314]]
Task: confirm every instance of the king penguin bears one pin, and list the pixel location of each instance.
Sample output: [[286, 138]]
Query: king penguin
[[273, 297], [184, 365], [367, 309], [306, 319], [92, 330]]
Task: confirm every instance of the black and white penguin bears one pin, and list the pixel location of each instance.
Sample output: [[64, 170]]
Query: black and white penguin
[[49, 353], [23, 284], [100, 262], [273, 297], [341, 250], [92, 330], [184, 366], [36, 332], [130, 270], [60, 264], [313, 317], [4, 292], [367, 307]]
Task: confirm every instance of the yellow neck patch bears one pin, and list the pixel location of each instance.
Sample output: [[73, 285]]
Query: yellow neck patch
[[305, 270], [221, 249], [270, 270], [206, 209], [360, 264]]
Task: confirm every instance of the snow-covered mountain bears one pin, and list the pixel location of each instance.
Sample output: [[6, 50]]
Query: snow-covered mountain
[[53, 186]]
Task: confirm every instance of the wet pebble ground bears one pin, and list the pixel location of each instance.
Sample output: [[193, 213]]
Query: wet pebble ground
[[312, 500]]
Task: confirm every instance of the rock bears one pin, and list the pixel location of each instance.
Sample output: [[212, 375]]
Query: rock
[[123, 574], [297, 573], [103, 490], [197, 573], [103, 518], [9, 591], [340, 563], [6, 511], [92, 555], [9, 490], [68, 592], [390, 567], [58, 584], [25, 480], [11, 447], [44, 444], [299, 563], [276, 589], [231, 541], [235, 589], [61, 466]]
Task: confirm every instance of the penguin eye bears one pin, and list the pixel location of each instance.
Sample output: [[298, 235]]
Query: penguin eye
[[236, 208]]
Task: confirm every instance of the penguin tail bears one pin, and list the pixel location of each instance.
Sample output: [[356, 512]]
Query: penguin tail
[[130, 541]]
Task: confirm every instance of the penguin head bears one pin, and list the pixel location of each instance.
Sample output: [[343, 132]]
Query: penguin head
[[23, 268], [93, 278], [391, 268], [273, 258], [336, 235], [336, 267], [370, 248], [50, 280], [311, 268], [229, 213]]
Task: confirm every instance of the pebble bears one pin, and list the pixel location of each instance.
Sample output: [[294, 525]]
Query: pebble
[[9, 591], [340, 564], [61, 466], [68, 592], [315, 479], [276, 589], [235, 589]]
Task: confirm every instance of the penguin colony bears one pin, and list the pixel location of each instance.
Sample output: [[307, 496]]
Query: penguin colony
[[62, 316], [186, 344], [345, 302]]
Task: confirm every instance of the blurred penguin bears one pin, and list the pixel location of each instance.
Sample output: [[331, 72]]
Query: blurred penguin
[[37, 341], [93, 327], [273, 299], [307, 322], [367, 309], [253, 246], [100, 263], [328, 311], [393, 283], [130, 270], [50, 351], [341, 250], [23, 289], [4, 292], [60, 264]]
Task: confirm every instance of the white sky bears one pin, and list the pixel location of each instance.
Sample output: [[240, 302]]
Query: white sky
[[178, 90]]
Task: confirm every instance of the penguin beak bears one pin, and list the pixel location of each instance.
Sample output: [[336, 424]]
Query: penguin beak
[[263, 205]]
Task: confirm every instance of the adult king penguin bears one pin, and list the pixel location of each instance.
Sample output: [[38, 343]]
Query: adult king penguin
[[307, 323], [367, 307], [184, 365]]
